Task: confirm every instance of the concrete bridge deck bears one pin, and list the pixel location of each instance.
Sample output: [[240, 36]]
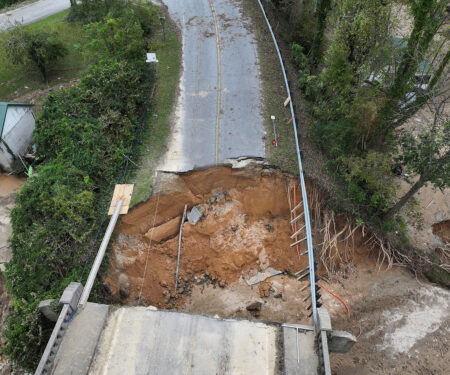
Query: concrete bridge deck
[[140, 340]]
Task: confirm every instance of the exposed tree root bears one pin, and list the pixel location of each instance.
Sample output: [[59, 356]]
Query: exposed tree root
[[337, 246], [386, 254]]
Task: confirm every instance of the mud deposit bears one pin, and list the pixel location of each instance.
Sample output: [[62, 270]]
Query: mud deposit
[[245, 229], [402, 324], [9, 187]]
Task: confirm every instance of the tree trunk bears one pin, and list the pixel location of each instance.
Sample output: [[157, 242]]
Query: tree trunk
[[316, 50], [395, 208], [424, 29]]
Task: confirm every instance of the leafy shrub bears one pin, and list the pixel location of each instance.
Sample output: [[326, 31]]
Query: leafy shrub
[[120, 38], [52, 222], [90, 11], [82, 134], [370, 185], [26, 331], [92, 124]]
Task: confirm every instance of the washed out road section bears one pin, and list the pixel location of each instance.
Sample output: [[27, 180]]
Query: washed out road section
[[219, 109]]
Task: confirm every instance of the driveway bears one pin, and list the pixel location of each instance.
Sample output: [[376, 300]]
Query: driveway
[[219, 109], [33, 12]]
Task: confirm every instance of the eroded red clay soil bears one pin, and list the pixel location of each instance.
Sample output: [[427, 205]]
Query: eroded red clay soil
[[245, 230]]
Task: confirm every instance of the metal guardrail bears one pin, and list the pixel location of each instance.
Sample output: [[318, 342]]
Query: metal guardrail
[[100, 255], [324, 361], [302, 181]]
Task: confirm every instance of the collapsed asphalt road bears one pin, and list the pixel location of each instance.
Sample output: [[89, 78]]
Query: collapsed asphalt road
[[219, 109], [32, 12]]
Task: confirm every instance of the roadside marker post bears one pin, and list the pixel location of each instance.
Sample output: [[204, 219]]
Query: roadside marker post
[[275, 142]]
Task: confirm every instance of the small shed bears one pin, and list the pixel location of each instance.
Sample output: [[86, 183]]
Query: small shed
[[16, 132]]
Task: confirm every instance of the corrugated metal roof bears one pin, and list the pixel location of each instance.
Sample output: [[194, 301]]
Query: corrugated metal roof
[[4, 108]]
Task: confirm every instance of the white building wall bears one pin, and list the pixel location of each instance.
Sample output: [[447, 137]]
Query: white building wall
[[13, 116], [17, 133], [5, 158]]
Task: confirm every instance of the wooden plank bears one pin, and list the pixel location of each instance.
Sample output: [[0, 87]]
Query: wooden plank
[[298, 232], [297, 218], [297, 207], [286, 102], [299, 241], [121, 191]]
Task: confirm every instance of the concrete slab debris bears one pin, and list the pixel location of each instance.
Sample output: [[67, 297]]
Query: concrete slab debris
[[324, 319], [300, 357], [341, 342], [47, 308], [196, 214], [261, 276]]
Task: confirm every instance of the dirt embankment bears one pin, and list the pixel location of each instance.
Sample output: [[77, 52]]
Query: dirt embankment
[[245, 229]]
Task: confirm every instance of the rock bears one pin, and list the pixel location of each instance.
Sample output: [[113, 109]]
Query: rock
[[255, 306], [163, 284], [47, 308], [264, 289], [222, 284], [124, 293], [164, 231], [219, 196], [196, 214], [278, 295], [5, 368]]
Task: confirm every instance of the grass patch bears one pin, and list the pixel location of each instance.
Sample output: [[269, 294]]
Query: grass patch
[[274, 93], [158, 127], [15, 79]]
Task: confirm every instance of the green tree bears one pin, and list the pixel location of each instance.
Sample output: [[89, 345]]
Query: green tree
[[426, 156], [120, 38], [38, 48], [344, 103], [323, 6], [429, 16]]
